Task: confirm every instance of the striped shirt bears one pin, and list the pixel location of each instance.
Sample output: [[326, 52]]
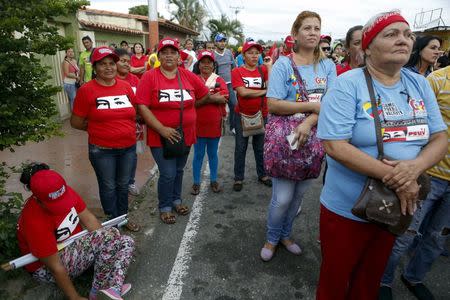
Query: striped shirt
[[440, 83]]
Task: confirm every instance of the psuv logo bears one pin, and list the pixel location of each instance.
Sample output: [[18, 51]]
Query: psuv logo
[[173, 95], [113, 102], [252, 82]]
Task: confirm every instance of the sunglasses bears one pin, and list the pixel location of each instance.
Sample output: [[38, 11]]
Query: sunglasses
[[326, 48]]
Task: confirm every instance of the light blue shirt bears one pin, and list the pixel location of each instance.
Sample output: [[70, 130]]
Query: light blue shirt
[[346, 114], [317, 79]]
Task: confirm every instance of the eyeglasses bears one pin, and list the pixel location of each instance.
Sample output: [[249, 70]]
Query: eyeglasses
[[326, 48]]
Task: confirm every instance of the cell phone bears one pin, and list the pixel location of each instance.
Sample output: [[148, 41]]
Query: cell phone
[[290, 138]]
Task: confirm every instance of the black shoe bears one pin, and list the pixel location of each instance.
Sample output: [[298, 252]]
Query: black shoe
[[237, 186], [385, 293], [266, 182], [419, 290]]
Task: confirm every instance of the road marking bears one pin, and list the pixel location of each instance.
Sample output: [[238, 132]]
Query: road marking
[[180, 268]]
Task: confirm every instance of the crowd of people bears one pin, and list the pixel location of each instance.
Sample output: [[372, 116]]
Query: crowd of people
[[300, 102]]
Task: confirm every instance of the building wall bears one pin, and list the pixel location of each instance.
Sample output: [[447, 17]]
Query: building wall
[[104, 38]]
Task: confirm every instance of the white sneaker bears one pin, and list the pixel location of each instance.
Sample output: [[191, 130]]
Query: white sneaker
[[233, 131], [133, 190], [299, 210]]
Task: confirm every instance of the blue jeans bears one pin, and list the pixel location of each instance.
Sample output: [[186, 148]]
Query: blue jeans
[[170, 179], [212, 146], [231, 104], [133, 169], [431, 242], [71, 91], [286, 199], [240, 151], [113, 170]]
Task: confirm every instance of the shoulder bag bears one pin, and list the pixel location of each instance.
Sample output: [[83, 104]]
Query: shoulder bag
[[179, 148], [253, 124], [378, 203]]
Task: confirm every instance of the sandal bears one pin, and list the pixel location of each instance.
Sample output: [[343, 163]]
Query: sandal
[[215, 187], [266, 182], [167, 217], [181, 210], [237, 186], [131, 226], [195, 189]]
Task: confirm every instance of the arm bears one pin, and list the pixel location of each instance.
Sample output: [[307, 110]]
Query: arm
[[289, 107], [66, 71], [249, 93], [78, 122], [89, 221], [190, 59], [59, 272], [155, 124], [216, 98]]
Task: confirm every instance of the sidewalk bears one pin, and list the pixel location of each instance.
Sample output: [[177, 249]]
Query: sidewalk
[[69, 156]]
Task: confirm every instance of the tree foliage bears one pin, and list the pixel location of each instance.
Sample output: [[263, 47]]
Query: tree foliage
[[231, 28], [189, 13], [141, 10], [27, 109]]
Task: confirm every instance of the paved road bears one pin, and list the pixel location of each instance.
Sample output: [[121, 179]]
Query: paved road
[[214, 252]]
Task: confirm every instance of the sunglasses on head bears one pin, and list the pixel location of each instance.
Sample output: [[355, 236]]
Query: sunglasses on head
[[326, 48]]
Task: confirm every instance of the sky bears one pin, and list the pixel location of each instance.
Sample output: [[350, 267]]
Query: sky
[[272, 19]]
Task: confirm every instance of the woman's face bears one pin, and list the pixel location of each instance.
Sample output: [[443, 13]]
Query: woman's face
[[70, 53], [123, 65], [206, 66], [392, 45], [189, 45], [106, 69], [251, 56], [308, 35], [138, 48], [431, 52], [338, 50], [355, 42], [325, 48], [168, 58]]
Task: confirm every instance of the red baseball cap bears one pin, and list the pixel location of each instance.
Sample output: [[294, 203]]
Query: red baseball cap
[[51, 189], [102, 52], [250, 44], [289, 40], [205, 53], [169, 42], [326, 37]]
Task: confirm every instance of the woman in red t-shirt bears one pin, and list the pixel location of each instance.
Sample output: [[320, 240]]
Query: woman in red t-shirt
[[159, 95], [104, 108], [250, 83], [209, 122], [53, 214], [138, 60]]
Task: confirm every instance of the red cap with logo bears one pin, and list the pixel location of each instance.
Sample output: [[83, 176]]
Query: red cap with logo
[[169, 42], [51, 189], [205, 53], [289, 40], [250, 44], [102, 52]]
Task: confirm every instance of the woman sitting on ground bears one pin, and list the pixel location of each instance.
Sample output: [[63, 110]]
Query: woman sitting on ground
[[55, 212]]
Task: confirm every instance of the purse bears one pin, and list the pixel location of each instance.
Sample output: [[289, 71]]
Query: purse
[[279, 160], [179, 148], [378, 203], [253, 124]]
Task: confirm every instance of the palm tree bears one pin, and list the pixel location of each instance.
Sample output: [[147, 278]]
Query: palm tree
[[189, 13], [231, 28]]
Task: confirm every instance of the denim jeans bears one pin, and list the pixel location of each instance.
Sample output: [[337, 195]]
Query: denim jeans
[[113, 170], [431, 242], [170, 181], [240, 151], [212, 146], [71, 91], [133, 169], [286, 199], [231, 104]]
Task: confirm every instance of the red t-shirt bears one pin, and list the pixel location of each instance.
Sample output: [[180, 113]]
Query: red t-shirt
[[342, 68], [209, 116], [136, 62], [162, 96], [132, 79], [183, 57], [39, 231], [251, 80], [110, 113]]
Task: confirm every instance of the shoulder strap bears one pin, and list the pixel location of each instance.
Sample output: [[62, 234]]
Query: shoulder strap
[[301, 90], [376, 117], [180, 85]]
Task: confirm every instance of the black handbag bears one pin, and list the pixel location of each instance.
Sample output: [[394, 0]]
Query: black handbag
[[179, 148], [378, 203]]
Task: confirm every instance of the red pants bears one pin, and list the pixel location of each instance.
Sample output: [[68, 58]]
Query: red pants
[[354, 255]]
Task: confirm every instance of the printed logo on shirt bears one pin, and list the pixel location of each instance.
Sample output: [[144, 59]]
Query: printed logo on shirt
[[367, 106], [406, 133], [316, 97], [390, 109], [173, 95], [67, 226], [322, 81], [252, 82], [418, 107], [113, 102]]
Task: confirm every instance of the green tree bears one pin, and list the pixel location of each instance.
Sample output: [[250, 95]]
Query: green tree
[[141, 10], [231, 28], [189, 13]]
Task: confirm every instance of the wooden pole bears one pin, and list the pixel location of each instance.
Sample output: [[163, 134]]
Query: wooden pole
[[153, 26]]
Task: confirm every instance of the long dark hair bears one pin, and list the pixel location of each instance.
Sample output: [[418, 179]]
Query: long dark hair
[[420, 43], [30, 170]]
